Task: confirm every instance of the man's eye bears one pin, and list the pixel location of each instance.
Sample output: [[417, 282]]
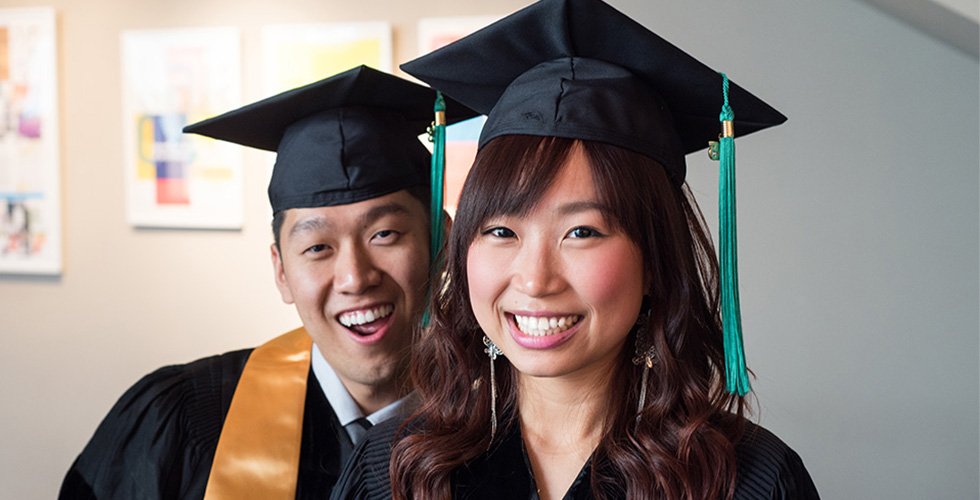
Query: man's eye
[[499, 232], [584, 232], [386, 236], [316, 248]]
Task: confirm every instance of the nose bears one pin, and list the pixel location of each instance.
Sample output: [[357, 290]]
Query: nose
[[537, 270], [354, 270]]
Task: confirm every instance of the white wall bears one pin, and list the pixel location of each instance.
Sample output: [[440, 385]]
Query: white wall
[[967, 8], [858, 233], [858, 239]]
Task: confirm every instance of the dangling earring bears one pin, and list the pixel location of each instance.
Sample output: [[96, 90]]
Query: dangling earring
[[645, 355], [493, 351]]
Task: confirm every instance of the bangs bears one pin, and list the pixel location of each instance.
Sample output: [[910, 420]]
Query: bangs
[[509, 177], [512, 173], [635, 189]]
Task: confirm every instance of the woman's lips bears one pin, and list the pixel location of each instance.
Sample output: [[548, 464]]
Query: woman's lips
[[542, 331], [542, 326]]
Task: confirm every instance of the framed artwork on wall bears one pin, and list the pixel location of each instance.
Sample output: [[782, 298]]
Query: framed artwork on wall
[[294, 55], [172, 78], [30, 167]]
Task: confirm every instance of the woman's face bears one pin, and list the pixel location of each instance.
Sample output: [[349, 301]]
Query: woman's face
[[558, 289]]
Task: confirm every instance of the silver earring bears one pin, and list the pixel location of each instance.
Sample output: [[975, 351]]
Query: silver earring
[[492, 351], [644, 354]]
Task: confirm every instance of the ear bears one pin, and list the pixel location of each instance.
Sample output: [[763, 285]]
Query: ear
[[281, 282]]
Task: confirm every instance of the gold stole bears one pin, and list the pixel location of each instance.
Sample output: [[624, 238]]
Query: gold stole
[[258, 450]]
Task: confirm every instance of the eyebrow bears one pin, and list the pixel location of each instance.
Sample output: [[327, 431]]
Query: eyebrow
[[308, 225], [382, 210], [322, 224], [583, 206]]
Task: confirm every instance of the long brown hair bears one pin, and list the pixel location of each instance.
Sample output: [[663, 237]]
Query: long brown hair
[[683, 446]]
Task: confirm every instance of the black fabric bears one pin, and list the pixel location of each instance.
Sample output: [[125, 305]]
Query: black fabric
[[343, 139], [768, 469], [504, 472], [580, 69], [366, 475], [159, 438], [773, 470], [158, 441], [325, 448]]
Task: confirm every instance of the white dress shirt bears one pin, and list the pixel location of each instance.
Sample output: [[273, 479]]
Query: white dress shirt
[[344, 405]]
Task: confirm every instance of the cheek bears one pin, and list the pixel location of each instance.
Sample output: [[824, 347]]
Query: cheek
[[409, 266], [612, 280], [486, 277], [305, 281]]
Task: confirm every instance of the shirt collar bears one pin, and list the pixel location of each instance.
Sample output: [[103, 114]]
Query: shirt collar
[[344, 405]]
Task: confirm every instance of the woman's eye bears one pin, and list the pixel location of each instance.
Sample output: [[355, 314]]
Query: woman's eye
[[499, 232], [584, 232]]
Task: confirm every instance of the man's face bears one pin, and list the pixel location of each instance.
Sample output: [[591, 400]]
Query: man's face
[[358, 275]]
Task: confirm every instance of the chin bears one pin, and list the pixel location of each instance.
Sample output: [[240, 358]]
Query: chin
[[382, 374], [539, 370]]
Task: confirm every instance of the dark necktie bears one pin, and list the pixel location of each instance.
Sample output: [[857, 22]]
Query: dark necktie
[[357, 429]]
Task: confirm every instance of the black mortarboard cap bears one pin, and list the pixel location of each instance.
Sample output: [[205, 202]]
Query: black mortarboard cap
[[581, 69], [344, 139]]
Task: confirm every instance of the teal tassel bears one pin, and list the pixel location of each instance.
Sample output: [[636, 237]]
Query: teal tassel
[[737, 377], [437, 179]]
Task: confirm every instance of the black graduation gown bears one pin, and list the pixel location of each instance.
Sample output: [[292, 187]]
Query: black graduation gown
[[767, 470], [159, 439]]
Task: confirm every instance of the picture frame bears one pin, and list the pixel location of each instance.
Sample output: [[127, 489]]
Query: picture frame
[[172, 78], [30, 165]]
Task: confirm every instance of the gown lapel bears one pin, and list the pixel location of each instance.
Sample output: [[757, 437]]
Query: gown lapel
[[505, 472]]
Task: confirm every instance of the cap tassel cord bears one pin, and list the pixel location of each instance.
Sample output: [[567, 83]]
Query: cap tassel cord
[[736, 374], [437, 177]]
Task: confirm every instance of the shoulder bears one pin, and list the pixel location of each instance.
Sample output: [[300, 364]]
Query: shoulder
[[367, 473], [163, 429], [769, 468], [188, 395], [194, 396]]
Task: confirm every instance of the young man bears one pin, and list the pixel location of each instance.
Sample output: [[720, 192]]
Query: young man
[[350, 198]]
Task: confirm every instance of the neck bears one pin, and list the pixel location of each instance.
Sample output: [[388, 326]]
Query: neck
[[562, 421], [580, 406], [371, 398]]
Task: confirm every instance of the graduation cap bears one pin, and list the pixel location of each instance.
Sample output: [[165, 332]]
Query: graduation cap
[[348, 138], [580, 69]]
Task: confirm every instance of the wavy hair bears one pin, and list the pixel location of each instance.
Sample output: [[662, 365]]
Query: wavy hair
[[683, 446]]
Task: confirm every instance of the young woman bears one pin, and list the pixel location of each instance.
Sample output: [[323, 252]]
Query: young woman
[[576, 349]]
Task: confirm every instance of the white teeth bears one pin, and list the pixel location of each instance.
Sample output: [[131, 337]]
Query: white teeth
[[353, 318], [540, 326]]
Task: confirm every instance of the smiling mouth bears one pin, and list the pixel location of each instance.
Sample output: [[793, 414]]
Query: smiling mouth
[[366, 321], [542, 326]]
